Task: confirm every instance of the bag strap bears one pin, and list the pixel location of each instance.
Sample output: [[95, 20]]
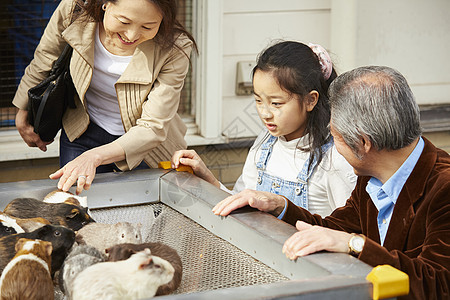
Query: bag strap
[[47, 91], [66, 54], [60, 65], [62, 61]]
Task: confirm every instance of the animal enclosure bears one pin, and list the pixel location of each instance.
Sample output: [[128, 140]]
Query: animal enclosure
[[238, 256]]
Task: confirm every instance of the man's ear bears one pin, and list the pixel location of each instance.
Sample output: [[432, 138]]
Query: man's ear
[[311, 100], [366, 144]]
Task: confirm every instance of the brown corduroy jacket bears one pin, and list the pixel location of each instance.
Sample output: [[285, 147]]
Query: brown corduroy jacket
[[148, 91], [418, 238]]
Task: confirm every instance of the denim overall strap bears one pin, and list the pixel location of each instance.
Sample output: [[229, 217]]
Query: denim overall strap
[[304, 175], [266, 151]]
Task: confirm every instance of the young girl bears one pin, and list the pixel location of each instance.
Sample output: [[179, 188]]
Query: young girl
[[295, 156]]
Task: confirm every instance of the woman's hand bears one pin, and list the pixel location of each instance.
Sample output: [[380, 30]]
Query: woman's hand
[[263, 201], [192, 159], [27, 131], [310, 239], [82, 169]]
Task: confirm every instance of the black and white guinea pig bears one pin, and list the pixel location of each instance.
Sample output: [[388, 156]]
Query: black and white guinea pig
[[69, 215], [62, 240], [11, 225], [8, 225]]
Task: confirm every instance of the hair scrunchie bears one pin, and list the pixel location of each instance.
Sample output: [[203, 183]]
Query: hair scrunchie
[[324, 59]]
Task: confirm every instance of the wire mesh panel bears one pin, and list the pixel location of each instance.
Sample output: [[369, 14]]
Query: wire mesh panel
[[209, 262], [21, 25]]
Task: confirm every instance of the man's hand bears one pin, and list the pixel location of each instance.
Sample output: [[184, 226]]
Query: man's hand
[[310, 239]]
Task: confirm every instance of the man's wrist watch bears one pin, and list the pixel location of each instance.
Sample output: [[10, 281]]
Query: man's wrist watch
[[356, 244]]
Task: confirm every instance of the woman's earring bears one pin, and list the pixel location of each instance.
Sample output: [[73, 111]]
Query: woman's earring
[[104, 6]]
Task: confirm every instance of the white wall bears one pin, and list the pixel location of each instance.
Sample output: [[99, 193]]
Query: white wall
[[249, 27], [409, 35]]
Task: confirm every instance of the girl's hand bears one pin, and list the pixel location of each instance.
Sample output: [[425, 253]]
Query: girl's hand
[[81, 170], [27, 131], [192, 159], [310, 239], [263, 201]]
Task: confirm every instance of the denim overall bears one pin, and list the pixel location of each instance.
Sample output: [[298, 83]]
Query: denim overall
[[296, 192]]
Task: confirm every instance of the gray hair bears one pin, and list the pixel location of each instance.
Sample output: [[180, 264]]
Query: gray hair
[[376, 103]]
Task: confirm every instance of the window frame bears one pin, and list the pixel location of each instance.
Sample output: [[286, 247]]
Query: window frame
[[207, 74]]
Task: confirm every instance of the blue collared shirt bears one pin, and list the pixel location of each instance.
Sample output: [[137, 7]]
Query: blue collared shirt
[[384, 196]]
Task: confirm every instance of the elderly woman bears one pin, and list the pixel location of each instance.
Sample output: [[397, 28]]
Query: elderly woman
[[128, 66]]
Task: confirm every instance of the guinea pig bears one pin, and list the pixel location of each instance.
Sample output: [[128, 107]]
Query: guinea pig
[[69, 215], [137, 277], [59, 196], [79, 258], [62, 239], [19, 225], [103, 236], [6, 230], [9, 225], [31, 224], [85, 249], [124, 251], [27, 275]]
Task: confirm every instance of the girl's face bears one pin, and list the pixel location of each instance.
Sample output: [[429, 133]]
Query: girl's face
[[128, 23], [283, 114]]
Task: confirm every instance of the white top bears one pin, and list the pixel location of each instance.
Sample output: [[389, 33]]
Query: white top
[[329, 186], [101, 97]]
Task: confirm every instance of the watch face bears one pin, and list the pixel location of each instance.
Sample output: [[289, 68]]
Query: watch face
[[357, 243]]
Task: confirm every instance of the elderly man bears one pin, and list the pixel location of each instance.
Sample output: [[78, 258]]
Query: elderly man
[[399, 211]]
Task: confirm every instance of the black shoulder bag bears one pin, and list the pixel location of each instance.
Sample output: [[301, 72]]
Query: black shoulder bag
[[48, 100]]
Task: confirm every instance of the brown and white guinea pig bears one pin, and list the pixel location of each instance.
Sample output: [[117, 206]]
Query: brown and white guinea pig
[[103, 236], [27, 275], [137, 277], [31, 224], [124, 251], [59, 196], [9, 225], [69, 215], [79, 258], [62, 240]]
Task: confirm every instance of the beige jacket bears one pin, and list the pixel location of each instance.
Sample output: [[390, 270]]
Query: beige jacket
[[148, 91]]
